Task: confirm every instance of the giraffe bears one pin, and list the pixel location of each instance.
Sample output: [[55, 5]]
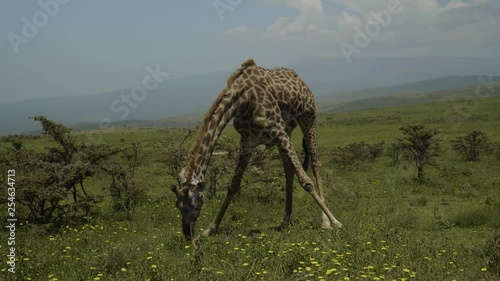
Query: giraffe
[[267, 105]]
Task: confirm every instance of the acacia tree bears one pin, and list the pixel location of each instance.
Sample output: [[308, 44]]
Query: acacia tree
[[471, 145], [60, 157], [47, 178], [421, 146]]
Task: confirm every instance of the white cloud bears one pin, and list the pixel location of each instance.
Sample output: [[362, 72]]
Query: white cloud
[[239, 31], [347, 22], [308, 19], [422, 28], [362, 6], [455, 4], [305, 6]]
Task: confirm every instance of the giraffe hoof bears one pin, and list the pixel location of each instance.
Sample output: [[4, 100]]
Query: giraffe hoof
[[209, 231], [338, 225], [326, 225]]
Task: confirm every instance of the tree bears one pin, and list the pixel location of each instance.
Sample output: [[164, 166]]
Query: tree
[[471, 145], [61, 156], [421, 146], [124, 188]]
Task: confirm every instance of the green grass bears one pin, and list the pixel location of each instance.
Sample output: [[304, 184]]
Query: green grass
[[394, 228]]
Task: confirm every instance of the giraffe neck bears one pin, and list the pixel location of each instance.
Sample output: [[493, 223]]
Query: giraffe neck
[[220, 113], [216, 119]]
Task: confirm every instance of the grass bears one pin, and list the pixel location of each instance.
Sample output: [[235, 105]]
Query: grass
[[394, 228]]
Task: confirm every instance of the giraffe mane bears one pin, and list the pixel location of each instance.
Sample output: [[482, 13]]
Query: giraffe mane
[[239, 71]]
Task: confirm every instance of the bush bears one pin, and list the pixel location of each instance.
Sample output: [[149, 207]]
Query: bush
[[125, 190], [353, 155], [471, 145], [393, 152]]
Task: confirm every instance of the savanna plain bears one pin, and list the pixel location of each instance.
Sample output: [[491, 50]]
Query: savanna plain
[[444, 226]]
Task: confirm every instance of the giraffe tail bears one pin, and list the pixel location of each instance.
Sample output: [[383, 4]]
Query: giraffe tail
[[305, 164]]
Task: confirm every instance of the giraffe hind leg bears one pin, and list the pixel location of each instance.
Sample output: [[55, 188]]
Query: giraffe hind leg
[[309, 129], [285, 144], [289, 174]]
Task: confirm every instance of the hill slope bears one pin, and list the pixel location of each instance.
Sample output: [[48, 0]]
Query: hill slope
[[466, 94]]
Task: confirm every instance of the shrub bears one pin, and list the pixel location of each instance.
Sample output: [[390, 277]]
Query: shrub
[[394, 151], [124, 188], [375, 150], [353, 155], [471, 145]]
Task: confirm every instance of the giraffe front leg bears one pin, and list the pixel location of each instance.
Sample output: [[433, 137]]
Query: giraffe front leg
[[246, 151], [233, 189]]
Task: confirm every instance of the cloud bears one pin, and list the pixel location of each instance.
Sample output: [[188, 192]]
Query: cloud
[[237, 32], [308, 20], [461, 28], [304, 6], [456, 4]]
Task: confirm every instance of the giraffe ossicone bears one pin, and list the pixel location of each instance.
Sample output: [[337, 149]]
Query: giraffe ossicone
[[266, 105]]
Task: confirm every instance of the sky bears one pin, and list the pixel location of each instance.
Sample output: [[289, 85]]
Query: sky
[[76, 47]]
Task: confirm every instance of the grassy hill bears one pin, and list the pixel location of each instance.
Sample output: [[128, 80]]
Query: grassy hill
[[375, 101]]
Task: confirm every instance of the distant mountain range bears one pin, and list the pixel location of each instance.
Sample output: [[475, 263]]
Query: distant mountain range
[[333, 81], [438, 86], [454, 95]]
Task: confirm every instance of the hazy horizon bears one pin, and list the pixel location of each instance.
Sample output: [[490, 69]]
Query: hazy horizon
[[68, 48]]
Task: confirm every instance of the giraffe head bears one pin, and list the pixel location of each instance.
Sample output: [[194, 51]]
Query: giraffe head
[[189, 202]]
